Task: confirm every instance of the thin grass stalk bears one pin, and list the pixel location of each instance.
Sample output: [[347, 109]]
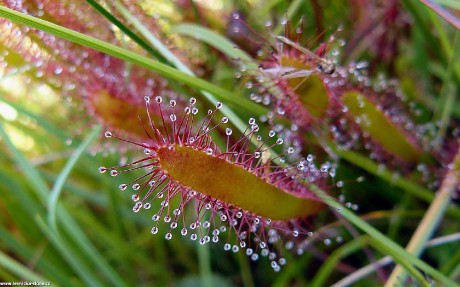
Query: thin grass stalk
[[431, 219]]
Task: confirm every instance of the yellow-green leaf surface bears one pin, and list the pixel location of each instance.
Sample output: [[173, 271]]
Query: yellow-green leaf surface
[[379, 127], [311, 90], [232, 184], [121, 114]]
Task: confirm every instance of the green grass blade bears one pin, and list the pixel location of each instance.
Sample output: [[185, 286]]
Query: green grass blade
[[205, 265], [59, 183], [328, 266], [432, 218], [382, 242], [154, 41], [129, 56], [123, 54], [406, 185], [211, 97], [53, 271], [19, 269], [80, 268], [68, 223], [448, 93], [88, 248], [214, 40], [450, 3], [419, 12], [104, 12]]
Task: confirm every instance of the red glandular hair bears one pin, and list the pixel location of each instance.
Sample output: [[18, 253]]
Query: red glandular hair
[[231, 191]]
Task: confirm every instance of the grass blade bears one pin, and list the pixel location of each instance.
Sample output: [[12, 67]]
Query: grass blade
[[18, 269], [129, 56], [59, 183], [69, 256], [382, 242], [431, 219], [211, 97], [68, 223], [214, 40], [104, 12]]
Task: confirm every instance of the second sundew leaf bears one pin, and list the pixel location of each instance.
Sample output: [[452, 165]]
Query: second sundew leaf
[[233, 184], [120, 114], [311, 90], [379, 127]]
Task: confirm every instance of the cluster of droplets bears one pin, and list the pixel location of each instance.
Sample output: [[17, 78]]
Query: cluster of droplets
[[268, 79], [268, 85], [215, 220], [385, 95]]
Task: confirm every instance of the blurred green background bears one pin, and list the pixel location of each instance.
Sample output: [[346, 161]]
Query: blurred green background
[[63, 222]]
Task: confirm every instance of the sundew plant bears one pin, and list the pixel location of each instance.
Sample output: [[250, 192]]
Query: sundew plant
[[230, 143]]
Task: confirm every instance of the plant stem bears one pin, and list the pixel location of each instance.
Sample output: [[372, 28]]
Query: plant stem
[[431, 219], [368, 269], [406, 185], [382, 242], [205, 265], [446, 15]]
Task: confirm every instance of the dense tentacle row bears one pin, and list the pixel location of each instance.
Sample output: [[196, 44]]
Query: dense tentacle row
[[338, 103], [237, 191]]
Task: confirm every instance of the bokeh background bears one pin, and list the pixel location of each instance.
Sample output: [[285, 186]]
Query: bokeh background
[[51, 147]]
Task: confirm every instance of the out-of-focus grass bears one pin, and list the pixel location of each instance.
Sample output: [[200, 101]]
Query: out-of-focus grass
[[98, 241]]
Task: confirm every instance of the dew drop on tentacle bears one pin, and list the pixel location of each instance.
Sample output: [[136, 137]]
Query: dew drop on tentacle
[[166, 188], [137, 206]]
